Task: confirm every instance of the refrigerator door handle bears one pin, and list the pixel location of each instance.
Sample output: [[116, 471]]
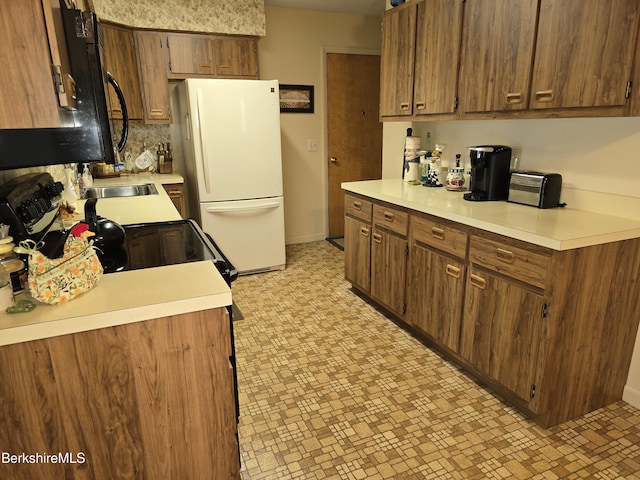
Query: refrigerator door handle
[[264, 206], [203, 143]]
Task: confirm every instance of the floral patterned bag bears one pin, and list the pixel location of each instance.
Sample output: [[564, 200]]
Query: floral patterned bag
[[59, 280]]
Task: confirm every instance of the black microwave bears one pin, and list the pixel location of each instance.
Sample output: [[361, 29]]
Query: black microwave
[[90, 139]]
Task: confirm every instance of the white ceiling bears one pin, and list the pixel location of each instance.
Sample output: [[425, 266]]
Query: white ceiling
[[363, 7]]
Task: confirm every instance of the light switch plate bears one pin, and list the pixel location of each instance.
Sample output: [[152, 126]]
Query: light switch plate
[[312, 145]]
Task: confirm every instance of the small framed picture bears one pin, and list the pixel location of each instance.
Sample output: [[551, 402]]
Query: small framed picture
[[296, 98]]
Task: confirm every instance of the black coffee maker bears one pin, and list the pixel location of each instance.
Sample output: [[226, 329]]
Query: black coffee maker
[[490, 166]]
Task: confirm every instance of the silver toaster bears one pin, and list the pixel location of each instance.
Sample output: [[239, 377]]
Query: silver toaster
[[537, 189]]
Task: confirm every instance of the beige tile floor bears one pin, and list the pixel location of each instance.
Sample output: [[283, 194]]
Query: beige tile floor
[[331, 389]]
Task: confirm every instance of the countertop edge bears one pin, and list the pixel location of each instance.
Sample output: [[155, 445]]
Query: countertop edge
[[578, 241], [67, 326]]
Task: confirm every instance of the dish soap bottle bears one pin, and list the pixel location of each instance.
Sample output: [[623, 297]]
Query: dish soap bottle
[[6, 289], [69, 195]]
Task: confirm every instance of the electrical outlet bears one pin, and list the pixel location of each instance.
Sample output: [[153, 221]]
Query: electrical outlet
[[312, 145]]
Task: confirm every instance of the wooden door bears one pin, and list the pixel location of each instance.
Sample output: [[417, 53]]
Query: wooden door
[[435, 298], [502, 330], [398, 53], [388, 270], [121, 61], [153, 67], [584, 53], [357, 252], [497, 53], [354, 128], [437, 52]]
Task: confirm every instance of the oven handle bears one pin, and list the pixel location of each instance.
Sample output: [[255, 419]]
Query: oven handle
[[246, 208]]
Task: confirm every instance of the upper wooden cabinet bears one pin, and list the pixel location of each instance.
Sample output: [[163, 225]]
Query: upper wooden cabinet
[[584, 53], [212, 56], [397, 61], [153, 64], [497, 47], [438, 32], [190, 54], [32, 47], [518, 58], [120, 60], [235, 56]]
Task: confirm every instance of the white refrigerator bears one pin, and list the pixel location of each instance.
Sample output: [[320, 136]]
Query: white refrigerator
[[228, 132]]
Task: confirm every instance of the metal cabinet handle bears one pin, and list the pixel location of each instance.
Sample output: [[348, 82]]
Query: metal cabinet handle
[[505, 255], [405, 106], [364, 231], [453, 271], [333, 159], [357, 205], [477, 281], [377, 238], [421, 105], [513, 98], [388, 216], [545, 96], [437, 233], [204, 66], [157, 111]]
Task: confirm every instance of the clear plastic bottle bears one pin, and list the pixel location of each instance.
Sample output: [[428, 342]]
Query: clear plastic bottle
[[6, 289]]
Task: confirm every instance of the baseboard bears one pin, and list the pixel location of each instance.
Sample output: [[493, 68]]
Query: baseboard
[[306, 238], [631, 396]]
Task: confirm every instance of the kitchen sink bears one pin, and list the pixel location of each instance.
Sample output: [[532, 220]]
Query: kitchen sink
[[109, 191]]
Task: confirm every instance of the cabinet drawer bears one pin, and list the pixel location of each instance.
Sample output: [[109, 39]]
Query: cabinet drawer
[[392, 219], [438, 235], [524, 265], [358, 207]]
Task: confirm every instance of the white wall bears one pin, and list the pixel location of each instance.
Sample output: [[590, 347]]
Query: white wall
[[293, 52], [592, 154]]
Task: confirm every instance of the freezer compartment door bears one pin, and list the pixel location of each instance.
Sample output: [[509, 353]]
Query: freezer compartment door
[[249, 232], [235, 126]]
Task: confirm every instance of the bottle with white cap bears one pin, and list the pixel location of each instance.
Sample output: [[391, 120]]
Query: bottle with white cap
[[6, 289]]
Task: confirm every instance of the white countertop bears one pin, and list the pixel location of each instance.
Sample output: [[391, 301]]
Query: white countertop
[[555, 228], [130, 296]]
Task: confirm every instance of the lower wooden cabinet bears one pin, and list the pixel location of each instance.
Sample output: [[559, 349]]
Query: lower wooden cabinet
[[551, 331], [389, 270], [502, 331], [151, 399], [435, 289], [357, 241], [176, 194]]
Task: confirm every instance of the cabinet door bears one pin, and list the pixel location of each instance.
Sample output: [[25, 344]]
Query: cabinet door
[[29, 46], [357, 252], [437, 52], [501, 332], [176, 194], [435, 295], [152, 62], [397, 61], [389, 270], [190, 54], [497, 54], [235, 57], [584, 53], [121, 61]]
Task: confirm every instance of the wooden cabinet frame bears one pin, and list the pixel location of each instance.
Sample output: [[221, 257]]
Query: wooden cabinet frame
[[519, 59], [551, 331]]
